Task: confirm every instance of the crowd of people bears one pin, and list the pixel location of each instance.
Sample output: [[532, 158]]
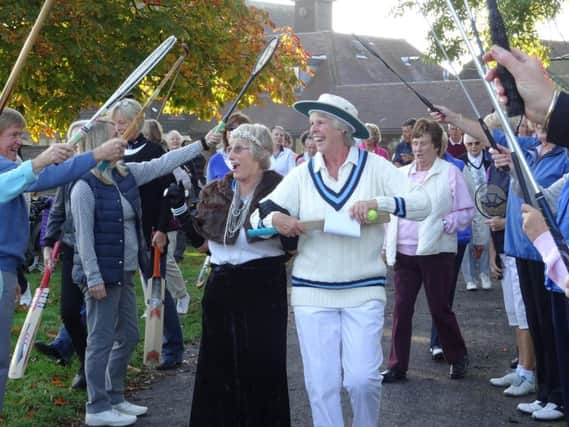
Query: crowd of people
[[243, 195]]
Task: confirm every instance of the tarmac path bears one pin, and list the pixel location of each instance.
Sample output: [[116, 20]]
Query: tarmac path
[[427, 398]]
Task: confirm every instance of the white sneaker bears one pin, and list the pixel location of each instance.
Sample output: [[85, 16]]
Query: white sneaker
[[549, 412], [521, 387], [505, 381], [26, 297], [109, 418], [183, 304], [128, 408], [486, 282], [471, 286], [530, 408], [437, 353]]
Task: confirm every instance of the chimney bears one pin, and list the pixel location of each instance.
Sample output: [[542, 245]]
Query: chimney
[[312, 15]]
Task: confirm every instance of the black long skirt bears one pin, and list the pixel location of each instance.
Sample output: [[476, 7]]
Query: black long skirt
[[241, 375]]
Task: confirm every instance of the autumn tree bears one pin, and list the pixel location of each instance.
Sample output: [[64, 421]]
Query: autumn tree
[[520, 17], [87, 48]]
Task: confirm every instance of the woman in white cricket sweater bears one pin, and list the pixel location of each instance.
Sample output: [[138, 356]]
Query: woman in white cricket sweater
[[424, 252], [338, 282]]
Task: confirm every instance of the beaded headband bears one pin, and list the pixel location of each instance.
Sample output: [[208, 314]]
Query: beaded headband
[[246, 135]]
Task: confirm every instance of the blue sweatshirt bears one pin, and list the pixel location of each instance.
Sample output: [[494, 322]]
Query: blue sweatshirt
[[546, 170], [14, 227], [216, 167], [15, 181]]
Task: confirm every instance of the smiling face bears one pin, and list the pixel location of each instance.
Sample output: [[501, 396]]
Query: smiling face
[[324, 134], [424, 151], [11, 141], [121, 123], [244, 166]]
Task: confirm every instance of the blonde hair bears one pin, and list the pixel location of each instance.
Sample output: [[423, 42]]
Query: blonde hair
[[129, 109], [374, 132], [72, 129], [101, 132]]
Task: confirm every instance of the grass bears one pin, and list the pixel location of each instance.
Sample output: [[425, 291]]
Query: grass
[[43, 397]]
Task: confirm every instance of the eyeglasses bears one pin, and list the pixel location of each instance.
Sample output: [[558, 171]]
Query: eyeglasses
[[468, 144], [230, 128], [237, 149]]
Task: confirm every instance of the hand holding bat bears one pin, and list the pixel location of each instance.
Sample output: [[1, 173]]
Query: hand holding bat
[[533, 82]]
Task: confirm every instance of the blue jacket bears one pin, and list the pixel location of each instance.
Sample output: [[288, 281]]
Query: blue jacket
[[109, 227], [14, 226], [563, 222], [546, 171], [216, 167]]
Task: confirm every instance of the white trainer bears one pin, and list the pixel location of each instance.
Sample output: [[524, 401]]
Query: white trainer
[[26, 297], [109, 418], [530, 408], [486, 282], [549, 412], [505, 381], [183, 304], [128, 408], [471, 286], [520, 387]]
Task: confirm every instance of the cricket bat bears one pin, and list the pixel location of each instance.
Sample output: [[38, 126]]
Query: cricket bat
[[154, 314], [31, 325]]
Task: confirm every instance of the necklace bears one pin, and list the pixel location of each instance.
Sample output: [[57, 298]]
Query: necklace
[[237, 214]]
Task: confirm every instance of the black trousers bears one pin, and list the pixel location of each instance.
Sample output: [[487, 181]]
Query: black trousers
[[560, 306], [539, 313], [72, 303]]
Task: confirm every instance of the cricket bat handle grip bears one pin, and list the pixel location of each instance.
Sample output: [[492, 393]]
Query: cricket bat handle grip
[[269, 231]]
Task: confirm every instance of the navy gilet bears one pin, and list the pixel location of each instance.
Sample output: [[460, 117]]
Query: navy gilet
[[108, 228]]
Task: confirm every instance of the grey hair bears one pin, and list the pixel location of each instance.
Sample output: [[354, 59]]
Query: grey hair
[[101, 132], [347, 131], [10, 117], [259, 138], [129, 109]]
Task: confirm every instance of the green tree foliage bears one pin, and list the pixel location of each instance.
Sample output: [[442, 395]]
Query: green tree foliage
[[87, 48], [520, 17]]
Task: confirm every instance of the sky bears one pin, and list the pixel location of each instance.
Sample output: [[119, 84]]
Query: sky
[[372, 17]]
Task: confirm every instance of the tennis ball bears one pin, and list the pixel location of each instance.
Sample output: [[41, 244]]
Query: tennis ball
[[372, 215]]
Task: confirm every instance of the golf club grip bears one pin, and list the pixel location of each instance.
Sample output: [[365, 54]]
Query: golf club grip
[[491, 140], [499, 36]]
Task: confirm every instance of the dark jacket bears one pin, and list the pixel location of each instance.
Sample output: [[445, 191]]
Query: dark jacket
[[155, 211]]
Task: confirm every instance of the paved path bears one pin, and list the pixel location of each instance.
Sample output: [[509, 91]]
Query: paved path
[[428, 398]]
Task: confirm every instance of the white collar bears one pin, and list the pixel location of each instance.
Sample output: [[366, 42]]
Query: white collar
[[352, 157]]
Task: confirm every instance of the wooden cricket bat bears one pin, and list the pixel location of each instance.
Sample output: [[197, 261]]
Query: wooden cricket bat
[[154, 314], [31, 325]]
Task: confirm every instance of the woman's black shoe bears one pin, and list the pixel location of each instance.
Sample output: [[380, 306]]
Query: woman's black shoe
[[393, 375]]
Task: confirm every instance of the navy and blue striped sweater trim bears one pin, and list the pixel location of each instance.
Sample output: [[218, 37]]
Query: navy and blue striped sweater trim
[[361, 283], [400, 210], [338, 200]]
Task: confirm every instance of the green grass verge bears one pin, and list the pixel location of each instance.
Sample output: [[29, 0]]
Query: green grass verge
[[43, 397]]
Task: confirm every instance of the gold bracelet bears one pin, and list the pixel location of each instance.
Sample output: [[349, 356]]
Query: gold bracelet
[[550, 110]]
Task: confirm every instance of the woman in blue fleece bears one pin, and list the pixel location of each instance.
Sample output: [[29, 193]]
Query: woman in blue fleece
[[14, 230]]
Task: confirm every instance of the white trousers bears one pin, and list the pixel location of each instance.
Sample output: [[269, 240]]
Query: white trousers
[[333, 340], [513, 301]]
